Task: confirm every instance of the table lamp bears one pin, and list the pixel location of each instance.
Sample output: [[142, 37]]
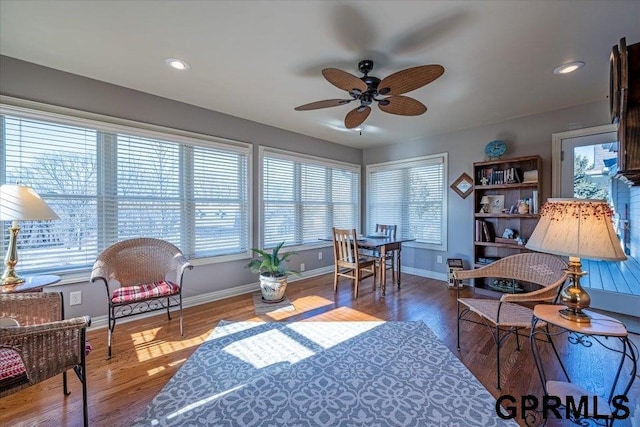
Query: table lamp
[[577, 228], [485, 202], [19, 203]]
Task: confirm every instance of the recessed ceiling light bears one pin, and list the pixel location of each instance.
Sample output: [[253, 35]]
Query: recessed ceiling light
[[178, 64], [569, 67]]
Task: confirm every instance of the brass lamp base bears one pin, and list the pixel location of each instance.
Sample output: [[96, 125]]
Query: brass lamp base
[[10, 278], [574, 296], [10, 282], [575, 316]]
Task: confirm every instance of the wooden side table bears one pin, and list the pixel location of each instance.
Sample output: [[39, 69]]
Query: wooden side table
[[602, 329], [34, 283]]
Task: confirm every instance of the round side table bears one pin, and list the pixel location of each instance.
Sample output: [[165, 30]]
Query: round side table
[[33, 283]]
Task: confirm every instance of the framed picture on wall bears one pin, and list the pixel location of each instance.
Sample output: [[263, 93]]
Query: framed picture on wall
[[463, 185]]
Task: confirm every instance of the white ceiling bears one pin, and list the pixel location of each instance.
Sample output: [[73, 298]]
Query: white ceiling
[[260, 59]]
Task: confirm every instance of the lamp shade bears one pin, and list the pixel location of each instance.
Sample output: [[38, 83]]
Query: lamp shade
[[485, 200], [579, 228], [21, 203]]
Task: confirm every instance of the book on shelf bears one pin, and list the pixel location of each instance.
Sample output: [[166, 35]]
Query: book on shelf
[[478, 230], [493, 176], [487, 232]]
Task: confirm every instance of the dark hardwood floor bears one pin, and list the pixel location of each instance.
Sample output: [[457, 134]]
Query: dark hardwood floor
[[147, 352]]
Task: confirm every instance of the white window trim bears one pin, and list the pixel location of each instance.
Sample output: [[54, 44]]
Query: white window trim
[[412, 162], [293, 156], [69, 116]]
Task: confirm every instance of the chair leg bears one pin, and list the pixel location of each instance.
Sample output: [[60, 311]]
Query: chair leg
[[458, 310], [393, 267], [112, 326], [65, 388], [375, 269], [168, 305], [517, 340], [498, 354], [335, 281], [357, 281], [83, 379], [181, 328]]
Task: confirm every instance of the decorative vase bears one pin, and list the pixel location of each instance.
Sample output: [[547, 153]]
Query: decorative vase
[[273, 288]]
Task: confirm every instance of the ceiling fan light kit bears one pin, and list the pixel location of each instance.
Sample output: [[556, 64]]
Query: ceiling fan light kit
[[368, 89]]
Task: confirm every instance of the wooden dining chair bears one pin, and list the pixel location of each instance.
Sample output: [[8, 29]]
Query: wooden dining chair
[[348, 261], [391, 256]]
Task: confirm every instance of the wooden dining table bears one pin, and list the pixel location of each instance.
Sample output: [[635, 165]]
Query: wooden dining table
[[382, 245]]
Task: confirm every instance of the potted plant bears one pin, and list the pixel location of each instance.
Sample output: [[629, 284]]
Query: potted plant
[[273, 271]]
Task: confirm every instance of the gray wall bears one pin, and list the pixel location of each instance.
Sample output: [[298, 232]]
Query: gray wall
[[525, 136], [36, 83]]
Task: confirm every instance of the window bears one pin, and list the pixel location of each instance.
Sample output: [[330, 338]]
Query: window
[[110, 182], [412, 195], [303, 197]]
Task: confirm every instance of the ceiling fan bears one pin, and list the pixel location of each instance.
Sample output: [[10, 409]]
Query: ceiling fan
[[368, 89]]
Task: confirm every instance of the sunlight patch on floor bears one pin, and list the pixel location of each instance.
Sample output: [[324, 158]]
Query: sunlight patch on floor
[[302, 305], [328, 334], [199, 403], [342, 314], [268, 348], [148, 346]]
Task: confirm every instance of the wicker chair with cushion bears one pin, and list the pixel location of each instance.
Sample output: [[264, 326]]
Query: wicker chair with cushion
[[348, 261], [513, 311], [39, 344], [140, 275]]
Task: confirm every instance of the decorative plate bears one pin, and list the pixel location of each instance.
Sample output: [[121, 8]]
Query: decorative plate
[[495, 149]]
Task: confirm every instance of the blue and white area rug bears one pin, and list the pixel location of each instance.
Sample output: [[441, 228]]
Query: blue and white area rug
[[322, 374]]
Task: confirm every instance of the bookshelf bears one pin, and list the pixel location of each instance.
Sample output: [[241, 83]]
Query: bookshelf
[[506, 196]]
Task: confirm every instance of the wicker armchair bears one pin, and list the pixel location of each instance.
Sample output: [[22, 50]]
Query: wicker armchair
[[42, 345], [140, 275], [507, 315]]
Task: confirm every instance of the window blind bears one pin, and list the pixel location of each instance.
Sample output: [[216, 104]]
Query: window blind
[[303, 198], [109, 183], [59, 163], [410, 194]]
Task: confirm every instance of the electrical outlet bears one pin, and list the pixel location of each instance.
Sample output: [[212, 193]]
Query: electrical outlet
[[302, 266], [439, 259], [75, 298], [319, 255]]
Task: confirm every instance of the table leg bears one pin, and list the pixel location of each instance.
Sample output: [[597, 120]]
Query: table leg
[[536, 354], [383, 269], [399, 263]]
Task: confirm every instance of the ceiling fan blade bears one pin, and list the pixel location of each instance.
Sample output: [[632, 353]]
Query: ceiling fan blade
[[343, 80], [410, 79], [356, 116], [323, 104], [402, 106]]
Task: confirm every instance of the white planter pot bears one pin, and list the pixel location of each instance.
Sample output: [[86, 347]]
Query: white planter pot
[[273, 288]]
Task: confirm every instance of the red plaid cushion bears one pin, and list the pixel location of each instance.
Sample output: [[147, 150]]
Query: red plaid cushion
[[145, 291], [12, 369]]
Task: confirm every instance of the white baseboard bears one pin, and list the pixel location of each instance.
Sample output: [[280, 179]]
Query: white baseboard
[[425, 273], [103, 321]]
